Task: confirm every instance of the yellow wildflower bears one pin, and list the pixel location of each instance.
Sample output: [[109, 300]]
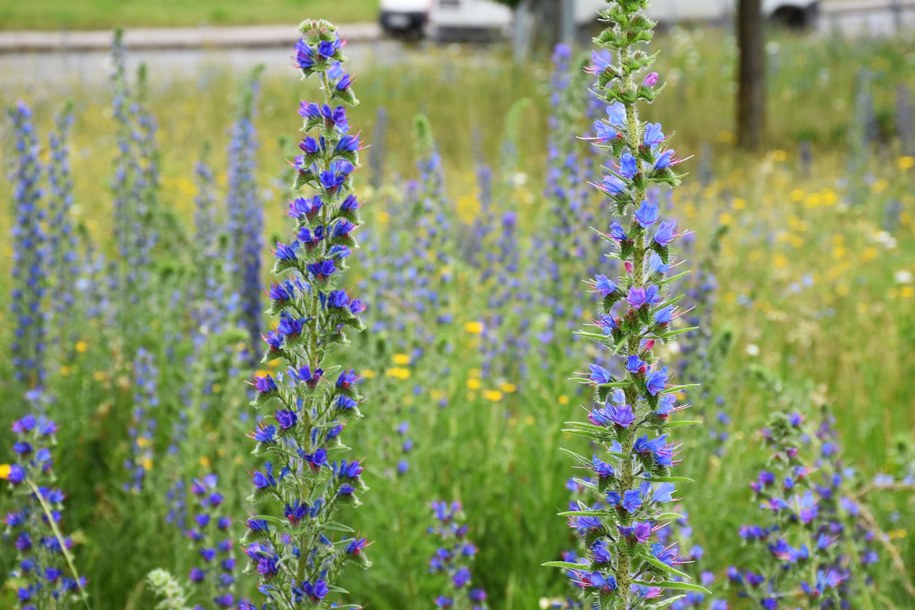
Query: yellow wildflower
[[563, 400], [492, 395], [402, 359], [474, 384], [397, 373], [5, 470], [509, 388], [81, 347], [905, 162], [473, 327]]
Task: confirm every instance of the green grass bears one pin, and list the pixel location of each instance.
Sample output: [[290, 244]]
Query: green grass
[[104, 14], [844, 340]]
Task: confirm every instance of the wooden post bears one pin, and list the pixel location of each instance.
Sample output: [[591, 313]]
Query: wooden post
[[751, 78]]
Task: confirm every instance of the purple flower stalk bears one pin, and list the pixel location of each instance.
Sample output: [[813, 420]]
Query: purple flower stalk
[[63, 260], [143, 424], [245, 224], [306, 407], [452, 559], [625, 566], [43, 573], [134, 187], [814, 539], [214, 567], [30, 268]]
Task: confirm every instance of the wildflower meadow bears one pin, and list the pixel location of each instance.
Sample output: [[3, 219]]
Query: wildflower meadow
[[457, 330]]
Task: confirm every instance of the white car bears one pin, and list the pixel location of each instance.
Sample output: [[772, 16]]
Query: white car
[[450, 19], [404, 18], [794, 13], [476, 18]]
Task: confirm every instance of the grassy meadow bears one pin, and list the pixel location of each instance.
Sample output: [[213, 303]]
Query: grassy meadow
[[101, 14], [813, 304]]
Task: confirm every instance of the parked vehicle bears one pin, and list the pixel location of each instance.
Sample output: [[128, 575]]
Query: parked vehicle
[[404, 18], [466, 19], [793, 13], [452, 19]]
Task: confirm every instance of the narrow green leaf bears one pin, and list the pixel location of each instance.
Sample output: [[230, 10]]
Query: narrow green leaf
[[565, 565], [662, 566], [680, 423], [671, 584], [654, 479], [583, 513]]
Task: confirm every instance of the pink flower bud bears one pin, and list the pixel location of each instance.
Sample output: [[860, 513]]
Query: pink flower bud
[[650, 80], [628, 266]]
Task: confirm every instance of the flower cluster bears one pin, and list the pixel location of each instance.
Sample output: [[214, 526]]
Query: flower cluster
[[245, 224], [143, 422], [451, 558], [29, 254], [625, 564], [63, 260], [44, 575], [210, 536], [679, 533], [135, 188], [815, 542], [305, 475]]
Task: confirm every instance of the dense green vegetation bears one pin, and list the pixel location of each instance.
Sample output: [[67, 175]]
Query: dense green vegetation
[[811, 275]]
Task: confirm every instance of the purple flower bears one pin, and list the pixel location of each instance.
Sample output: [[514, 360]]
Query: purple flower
[[647, 214], [664, 160], [666, 232], [612, 185], [629, 167], [632, 500], [656, 381], [600, 375], [605, 287], [653, 135]]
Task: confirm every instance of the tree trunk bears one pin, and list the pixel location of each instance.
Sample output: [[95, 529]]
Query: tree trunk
[[538, 25], [547, 19], [751, 78]]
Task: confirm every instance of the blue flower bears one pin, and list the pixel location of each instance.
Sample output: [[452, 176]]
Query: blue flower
[[653, 135], [632, 500], [629, 166], [605, 287], [666, 232], [656, 381], [600, 375], [647, 214]]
